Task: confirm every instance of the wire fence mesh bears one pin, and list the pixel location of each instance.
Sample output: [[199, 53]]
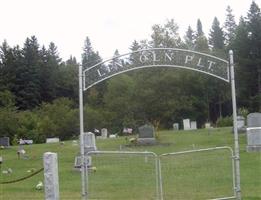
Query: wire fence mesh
[[123, 175], [199, 174]]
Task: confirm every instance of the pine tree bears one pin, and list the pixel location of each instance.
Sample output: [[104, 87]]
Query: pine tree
[[89, 57], [229, 27], [201, 42], [199, 29], [49, 72], [247, 46], [253, 22], [28, 76], [216, 38], [189, 38]]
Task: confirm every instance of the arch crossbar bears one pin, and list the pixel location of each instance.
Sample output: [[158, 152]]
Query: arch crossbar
[[156, 57]]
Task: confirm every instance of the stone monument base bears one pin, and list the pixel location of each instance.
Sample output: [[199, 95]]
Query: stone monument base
[[251, 148], [146, 141]]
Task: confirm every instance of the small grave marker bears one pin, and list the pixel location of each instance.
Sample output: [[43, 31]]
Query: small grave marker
[[52, 140], [104, 133], [5, 141], [254, 132], [176, 126]]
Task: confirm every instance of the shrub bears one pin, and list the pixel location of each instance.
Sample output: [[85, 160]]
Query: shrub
[[224, 121]]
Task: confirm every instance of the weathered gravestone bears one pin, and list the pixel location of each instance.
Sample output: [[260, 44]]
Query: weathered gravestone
[[193, 125], [186, 124], [254, 132], [89, 144], [104, 133], [5, 141], [176, 126], [51, 178], [146, 135], [241, 124], [52, 140], [78, 162]]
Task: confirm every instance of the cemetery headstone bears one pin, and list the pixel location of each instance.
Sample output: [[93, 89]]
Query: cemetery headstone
[[176, 126], [89, 142], [104, 133], [254, 120], [241, 124], [146, 135], [193, 125], [207, 125], [5, 141], [51, 178], [254, 132], [52, 140], [186, 124], [78, 161]]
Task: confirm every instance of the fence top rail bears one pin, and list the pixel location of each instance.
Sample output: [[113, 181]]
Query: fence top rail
[[198, 150], [224, 198], [122, 152]]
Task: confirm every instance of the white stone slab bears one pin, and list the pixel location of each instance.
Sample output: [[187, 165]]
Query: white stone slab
[[52, 140], [51, 179], [186, 124]]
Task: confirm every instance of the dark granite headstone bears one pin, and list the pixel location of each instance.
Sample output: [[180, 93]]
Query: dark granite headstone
[[5, 141], [146, 131], [146, 135]]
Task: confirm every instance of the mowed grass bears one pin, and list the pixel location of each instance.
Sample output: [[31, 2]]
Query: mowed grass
[[190, 176]]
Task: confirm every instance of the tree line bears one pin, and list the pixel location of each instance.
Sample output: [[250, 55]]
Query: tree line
[[39, 91]]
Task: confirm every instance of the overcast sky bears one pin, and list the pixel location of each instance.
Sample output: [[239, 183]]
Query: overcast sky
[[110, 24]]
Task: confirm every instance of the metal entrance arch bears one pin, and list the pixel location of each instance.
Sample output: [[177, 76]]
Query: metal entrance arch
[[160, 57]]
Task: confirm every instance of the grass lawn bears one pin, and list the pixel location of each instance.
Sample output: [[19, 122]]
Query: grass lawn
[[184, 177]]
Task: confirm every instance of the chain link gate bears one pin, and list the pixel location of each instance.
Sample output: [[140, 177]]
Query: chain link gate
[[182, 175], [198, 174], [118, 175]]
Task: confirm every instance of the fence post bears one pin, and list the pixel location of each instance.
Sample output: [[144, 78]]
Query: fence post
[[51, 180], [236, 142]]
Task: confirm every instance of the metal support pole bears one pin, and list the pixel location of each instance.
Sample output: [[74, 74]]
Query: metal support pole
[[83, 169], [234, 104]]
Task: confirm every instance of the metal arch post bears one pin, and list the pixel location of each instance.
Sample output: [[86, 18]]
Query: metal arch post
[[236, 143], [83, 164]]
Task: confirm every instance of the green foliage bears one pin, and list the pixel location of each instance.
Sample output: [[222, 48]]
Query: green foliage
[[32, 77], [243, 112], [8, 119], [224, 121], [7, 99], [58, 119], [28, 122], [216, 38]]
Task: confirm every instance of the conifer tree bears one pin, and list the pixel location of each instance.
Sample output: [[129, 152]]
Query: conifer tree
[[189, 38], [229, 27], [216, 38]]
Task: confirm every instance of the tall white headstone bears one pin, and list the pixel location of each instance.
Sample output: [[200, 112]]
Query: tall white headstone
[[186, 124], [51, 179], [89, 142], [104, 133], [254, 132], [193, 125]]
